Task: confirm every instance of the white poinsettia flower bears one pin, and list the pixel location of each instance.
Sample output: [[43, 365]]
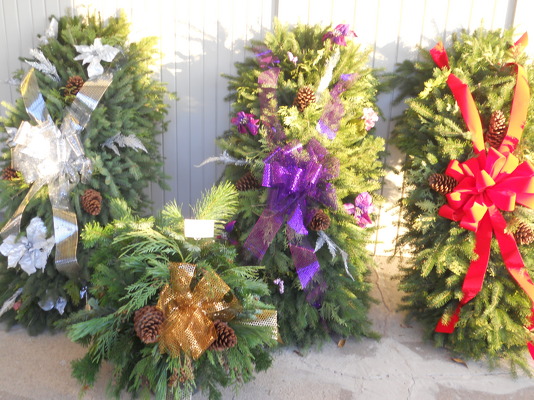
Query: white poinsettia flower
[[30, 252], [94, 54], [13, 250]]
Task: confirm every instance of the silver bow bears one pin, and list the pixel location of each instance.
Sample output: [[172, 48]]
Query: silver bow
[[55, 157]]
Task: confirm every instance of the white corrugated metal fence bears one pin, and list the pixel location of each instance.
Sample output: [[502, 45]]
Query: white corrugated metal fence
[[201, 40]]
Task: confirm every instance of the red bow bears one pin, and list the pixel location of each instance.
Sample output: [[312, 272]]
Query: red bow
[[489, 182]]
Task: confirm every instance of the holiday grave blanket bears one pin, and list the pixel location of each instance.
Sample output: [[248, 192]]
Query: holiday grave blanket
[[82, 133], [172, 314], [468, 217], [302, 154]]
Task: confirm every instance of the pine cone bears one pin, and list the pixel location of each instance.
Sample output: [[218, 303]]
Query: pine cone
[[247, 182], [92, 201], [524, 235], [226, 337], [173, 379], [320, 221], [8, 174], [147, 323], [305, 96], [496, 129], [442, 183], [73, 86]]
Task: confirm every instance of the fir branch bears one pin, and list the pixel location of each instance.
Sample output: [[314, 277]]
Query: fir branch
[[219, 203]]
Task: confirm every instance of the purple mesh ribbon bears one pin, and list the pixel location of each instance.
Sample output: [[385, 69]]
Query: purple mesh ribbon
[[305, 260], [315, 292], [266, 58], [296, 175], [333, 111], [268, 83]]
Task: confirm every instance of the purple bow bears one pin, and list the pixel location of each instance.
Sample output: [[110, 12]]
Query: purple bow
[[296, 174]]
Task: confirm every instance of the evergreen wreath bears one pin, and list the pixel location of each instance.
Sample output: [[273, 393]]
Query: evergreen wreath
[[303, 109], [494, 325], [136, 263], [77, 56]]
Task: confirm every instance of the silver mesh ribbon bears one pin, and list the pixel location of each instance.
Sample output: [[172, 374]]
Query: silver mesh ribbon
[[55, 157]]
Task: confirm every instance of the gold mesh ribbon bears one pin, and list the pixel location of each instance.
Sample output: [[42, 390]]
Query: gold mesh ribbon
[[189, 314], [267, 318]]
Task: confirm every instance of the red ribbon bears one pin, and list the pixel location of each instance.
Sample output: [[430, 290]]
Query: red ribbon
[[491, 181]]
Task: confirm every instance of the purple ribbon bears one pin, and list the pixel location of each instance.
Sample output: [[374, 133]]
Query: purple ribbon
[[333, 111], [295, 175], [266, 58], [268, 83], [315, 293]]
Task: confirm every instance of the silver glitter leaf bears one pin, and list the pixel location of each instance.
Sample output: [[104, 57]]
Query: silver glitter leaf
[[333, 248], [121, 140], [224, 158], [43, 64]]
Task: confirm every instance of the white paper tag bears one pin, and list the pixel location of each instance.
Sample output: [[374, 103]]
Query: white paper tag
[[199, 228]]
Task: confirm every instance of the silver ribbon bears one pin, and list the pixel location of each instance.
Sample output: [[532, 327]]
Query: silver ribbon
[[55, 157], [9, 303]]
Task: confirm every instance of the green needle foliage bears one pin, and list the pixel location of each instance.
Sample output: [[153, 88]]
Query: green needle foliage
[[431, 132], [130, 259], [134, 106], [343, 309]]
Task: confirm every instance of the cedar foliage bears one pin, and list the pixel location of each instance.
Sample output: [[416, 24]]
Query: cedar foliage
[[134, 105], [130, 259], [431, 132], [343, 310]]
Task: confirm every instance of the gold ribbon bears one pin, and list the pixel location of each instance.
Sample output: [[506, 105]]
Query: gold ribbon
[[54, 157], [265, 318], [189, 314]]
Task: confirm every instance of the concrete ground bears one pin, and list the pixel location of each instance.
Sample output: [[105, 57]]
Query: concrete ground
[[399, 366]]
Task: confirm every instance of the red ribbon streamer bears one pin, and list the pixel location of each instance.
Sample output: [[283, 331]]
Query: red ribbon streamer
[[489, 182]]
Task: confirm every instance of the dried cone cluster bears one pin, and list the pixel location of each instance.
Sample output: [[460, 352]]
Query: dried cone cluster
[[92, 201], [8, 174], [524, 235], [442, 183], [226, 337], [147, 323], [73, 86], [496, 129], [305, 96], [181, 375], [247, 182], [320, 221]]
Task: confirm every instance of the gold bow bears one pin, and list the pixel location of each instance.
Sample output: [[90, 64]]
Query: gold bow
[[189, 314]]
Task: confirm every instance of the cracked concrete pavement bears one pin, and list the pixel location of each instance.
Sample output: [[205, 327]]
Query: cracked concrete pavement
[[401, 365]]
